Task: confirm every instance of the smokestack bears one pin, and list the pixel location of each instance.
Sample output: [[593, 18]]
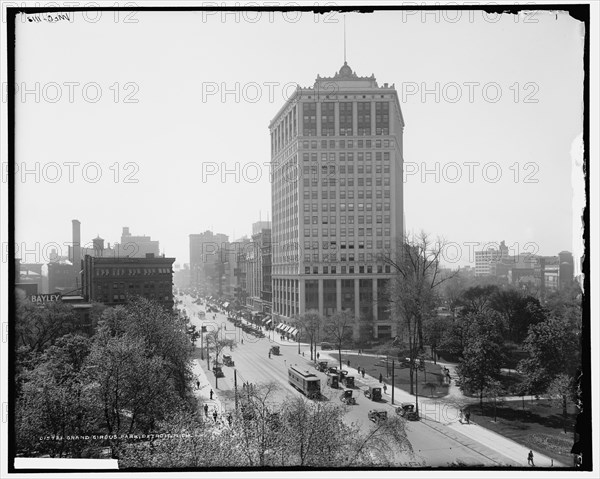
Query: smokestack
[[76, 243]]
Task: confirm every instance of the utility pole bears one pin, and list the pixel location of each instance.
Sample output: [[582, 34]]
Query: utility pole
[[417, 388], [207, 355], [235, 388], [393, 375], [201, 343]]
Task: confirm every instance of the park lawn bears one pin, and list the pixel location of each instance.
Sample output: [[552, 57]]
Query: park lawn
[[538, 426], [432, 386]]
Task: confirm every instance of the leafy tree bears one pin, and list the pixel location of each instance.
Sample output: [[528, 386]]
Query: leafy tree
[[561, 391], [482, 356], [338, 329], [133, 389], [554, 348], [477, 299], [257, 427], [39, 326], [54, 403], [494, 390], [518, 312], [162, 333]]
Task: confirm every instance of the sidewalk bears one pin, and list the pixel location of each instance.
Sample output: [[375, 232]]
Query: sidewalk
[[207, 382], [443, 415]]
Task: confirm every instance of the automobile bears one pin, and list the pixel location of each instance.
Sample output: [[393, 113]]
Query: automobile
[[377, 415], [274, 350], [332, 370], [218, 372], [333, 380], [373, 393], [347, 397], [227, 360], [407, 410], [321, 366], [348, 381]]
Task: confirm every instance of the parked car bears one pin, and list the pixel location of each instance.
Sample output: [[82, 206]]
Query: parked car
[[333, 380], [377, 415], [347, 397], [321, 366], [373, 393], [275, 350], [408, 411]]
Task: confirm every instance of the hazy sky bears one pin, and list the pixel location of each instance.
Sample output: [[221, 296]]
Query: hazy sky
[[178, 95]]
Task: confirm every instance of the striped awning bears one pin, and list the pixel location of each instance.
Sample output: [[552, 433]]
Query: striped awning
[[293, 331], [281, 327]]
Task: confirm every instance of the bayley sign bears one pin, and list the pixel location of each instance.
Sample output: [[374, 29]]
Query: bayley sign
[[45, 298]]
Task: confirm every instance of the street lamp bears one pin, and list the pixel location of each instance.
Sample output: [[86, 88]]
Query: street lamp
[[416, 366]]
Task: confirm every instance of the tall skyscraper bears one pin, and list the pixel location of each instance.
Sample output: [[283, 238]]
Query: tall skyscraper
[[337, 198]]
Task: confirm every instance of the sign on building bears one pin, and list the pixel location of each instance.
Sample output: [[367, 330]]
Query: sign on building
[[45, 298]]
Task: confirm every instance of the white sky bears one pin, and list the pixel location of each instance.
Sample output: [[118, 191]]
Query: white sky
[[171, 58]]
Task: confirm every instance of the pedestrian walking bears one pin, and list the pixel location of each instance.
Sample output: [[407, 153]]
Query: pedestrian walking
[[530, 458], [215, 415], [348, 363], [302, 353], [363, 372], [197, 384], [468, 416], [211, 394], [460, 416], [242, 340], [206, 410], [384, 388], [318, 356], [380, 377]]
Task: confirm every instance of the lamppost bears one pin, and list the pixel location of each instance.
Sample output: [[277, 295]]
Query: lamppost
[[416, 366]]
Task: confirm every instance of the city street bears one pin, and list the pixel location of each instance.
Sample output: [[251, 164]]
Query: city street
[[433, 443]]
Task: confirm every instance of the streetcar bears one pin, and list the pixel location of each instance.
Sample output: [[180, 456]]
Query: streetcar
[[305, 382]]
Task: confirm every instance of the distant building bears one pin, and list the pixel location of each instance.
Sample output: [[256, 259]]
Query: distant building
[[181, 277], [63, 277], [208, 255], [112, 280], [539, 274], [30, 277], [486, 260], [258, 268], [566, 269]]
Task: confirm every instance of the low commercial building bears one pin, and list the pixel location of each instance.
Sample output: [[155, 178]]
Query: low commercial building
[[113, 281]]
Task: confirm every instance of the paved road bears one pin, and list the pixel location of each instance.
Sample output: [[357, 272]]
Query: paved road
[[433, 445]]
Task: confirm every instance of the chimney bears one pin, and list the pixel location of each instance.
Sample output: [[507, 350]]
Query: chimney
[[76, 243], [125, 231]]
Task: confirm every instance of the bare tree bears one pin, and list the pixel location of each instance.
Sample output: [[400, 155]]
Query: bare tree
[[338, 329], [417, 269], [310, 323], [217, 343]]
